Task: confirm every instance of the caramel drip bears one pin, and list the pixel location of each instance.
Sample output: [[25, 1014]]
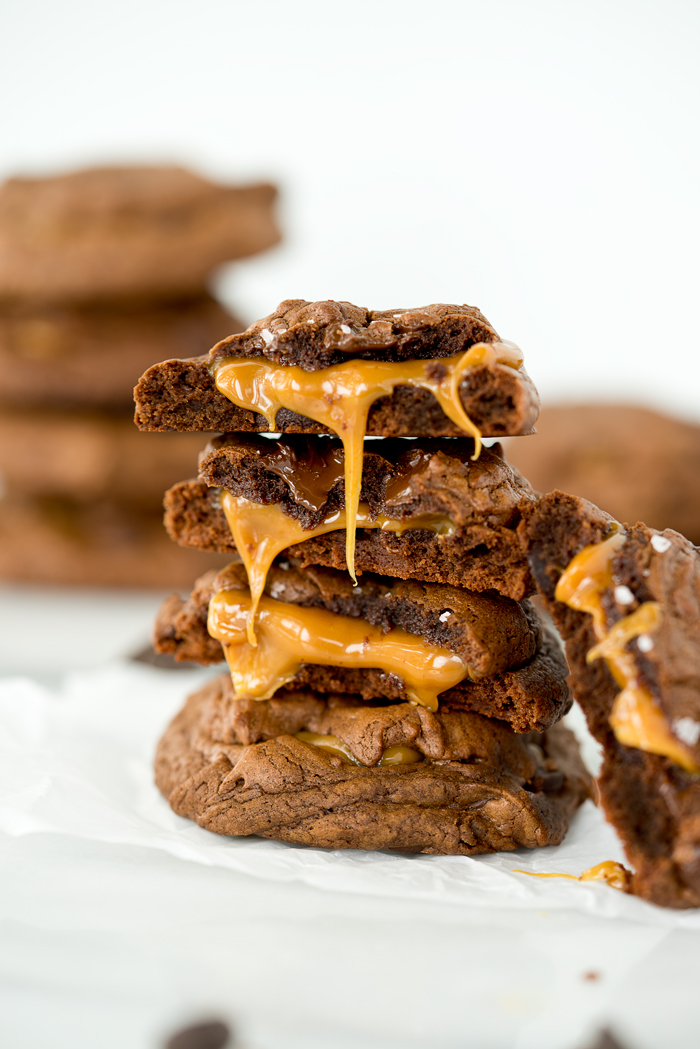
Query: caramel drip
[[391, 756], [635, 718], [290, 636], [340, 397], [613, 874], [262, 532]]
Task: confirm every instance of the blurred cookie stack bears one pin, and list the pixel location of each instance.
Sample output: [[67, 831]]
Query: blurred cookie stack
[[101, 272]]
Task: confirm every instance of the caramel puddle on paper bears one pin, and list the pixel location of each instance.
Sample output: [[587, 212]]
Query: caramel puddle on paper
[[613, 874], [262, 532], [340, 397]]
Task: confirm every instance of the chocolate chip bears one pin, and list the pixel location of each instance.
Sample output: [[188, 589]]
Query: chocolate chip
[[210, 1035]]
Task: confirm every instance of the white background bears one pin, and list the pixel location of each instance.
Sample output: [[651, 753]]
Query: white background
[[537, 159]]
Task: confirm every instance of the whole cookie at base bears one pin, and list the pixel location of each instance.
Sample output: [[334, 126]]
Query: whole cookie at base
[[125, 231], [451, 802]]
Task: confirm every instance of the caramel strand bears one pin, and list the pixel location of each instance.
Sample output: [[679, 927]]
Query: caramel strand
[[262, 532], [610, 872], [290, 636], [636, 718], [340, 397]]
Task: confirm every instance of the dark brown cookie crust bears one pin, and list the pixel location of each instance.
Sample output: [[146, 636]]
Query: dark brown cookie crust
[[653, 803], [181, 395], [318, 334], [92, 354], [456, 802], [531, 696], [129, 231]]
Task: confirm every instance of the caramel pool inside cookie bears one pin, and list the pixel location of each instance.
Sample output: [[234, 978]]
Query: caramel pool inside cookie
[[289, 636], [261, 532]]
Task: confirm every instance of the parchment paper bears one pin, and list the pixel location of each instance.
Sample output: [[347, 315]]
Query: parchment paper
[[78, 761]]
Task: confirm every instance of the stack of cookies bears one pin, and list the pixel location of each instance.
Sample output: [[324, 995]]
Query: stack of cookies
[[390, 684], [101, 272]]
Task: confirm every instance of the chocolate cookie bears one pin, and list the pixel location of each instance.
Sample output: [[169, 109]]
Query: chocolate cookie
[[640, 465], [92, 354], [85, 455], [61, 541], [472, 506], [627, 602], [498, 397], [516, 669], [381, 777], [119, 232]]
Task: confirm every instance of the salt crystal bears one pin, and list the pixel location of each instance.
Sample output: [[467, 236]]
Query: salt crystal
[[267, 335], [357, 590], [660, 543], [444, 616], [345, 329], [623, 595], [687, 730], [644, 643]]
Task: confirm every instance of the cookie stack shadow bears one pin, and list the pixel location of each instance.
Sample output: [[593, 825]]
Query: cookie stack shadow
[[101, 272], [389, 684]]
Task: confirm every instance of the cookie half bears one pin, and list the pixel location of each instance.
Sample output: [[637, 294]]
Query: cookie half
[[430, 511], [627, 602], [493, 390], [506, 665]]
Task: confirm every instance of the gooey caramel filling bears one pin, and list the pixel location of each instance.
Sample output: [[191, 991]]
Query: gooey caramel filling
[[400, 755], [635, 718], [290, 636], [262, 532], [340, 397]]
